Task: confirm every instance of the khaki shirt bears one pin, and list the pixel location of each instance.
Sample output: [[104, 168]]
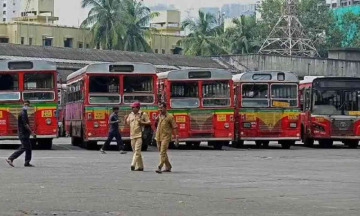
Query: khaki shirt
[[165, 126], [134, 122]]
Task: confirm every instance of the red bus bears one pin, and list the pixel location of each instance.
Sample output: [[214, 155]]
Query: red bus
[[92, 92], [267, 108], [34, 81], [61, 111], [331, 110], [202, 104]]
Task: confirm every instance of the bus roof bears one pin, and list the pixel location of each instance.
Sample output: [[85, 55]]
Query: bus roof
[[26, 65], [115, 68], [263, 76], [196, 74], [309, 79]]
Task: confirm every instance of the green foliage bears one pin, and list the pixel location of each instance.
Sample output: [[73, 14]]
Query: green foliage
[[118, 24]]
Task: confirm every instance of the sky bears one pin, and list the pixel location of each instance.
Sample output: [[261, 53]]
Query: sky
[[71, 13]]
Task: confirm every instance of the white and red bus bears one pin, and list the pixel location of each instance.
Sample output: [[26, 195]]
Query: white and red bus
[[35, 81], [202, 102], [94, 90], [331, 110], [268, 108]]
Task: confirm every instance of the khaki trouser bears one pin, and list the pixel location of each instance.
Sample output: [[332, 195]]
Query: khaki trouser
[[164, 159], [137, 161]]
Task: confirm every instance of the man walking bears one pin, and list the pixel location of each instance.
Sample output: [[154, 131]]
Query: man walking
[[114, 132], [24, 136], [137, 119], [166, 126]]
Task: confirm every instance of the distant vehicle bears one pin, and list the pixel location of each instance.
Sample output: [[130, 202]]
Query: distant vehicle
[[202, 102], [331, 110], [268, 108], [94, 90], [35, 81]]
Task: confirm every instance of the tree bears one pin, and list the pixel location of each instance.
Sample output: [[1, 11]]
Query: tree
[[349, 25], [103, 20], [204, 37], [135, 16]]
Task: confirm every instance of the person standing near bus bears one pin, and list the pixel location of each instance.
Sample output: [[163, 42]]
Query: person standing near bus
[[166, 126], [137, 119], [24, 136], [114, 132]]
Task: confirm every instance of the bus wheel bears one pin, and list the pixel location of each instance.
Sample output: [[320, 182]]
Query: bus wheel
[[325, 143], [75, 141], [258, 144], [265, 144], [189, 145], [308, 142], [352, 143], [286, 144], [45, 144], [218, 145], [238, 144], [33, 143], [90, 145], [196, 145]]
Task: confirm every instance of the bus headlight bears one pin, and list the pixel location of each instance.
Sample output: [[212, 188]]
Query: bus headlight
[[247, 125], [226, 125], [96, 125], [48, 121], [293, 125]]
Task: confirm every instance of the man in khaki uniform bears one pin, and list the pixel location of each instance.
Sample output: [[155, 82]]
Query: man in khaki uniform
[[137, 120], [166, 126]]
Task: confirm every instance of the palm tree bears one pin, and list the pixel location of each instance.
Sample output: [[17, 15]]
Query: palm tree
[[135, 18], [103, 21], [203, 37]]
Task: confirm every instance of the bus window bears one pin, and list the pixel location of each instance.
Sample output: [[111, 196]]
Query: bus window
[[255, 95], [38, 81], [184, 95], [9, 82], [284, 95], [100, 86], [138, 88], [216, 94]]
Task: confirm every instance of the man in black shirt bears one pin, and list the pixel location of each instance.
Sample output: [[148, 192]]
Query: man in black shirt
[[24, 136], [114, 132]]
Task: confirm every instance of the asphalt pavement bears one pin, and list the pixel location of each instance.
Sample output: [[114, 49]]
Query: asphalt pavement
[[72, 181]]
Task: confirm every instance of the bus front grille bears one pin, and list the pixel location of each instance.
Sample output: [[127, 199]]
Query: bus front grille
[[342, 128], [270, 122], [13, 118], [201, 121], [122, 114]]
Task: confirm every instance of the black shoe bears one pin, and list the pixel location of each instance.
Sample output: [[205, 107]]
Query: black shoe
[[102, 151], [167, 170], [140, 169], [132, 168], [28, 165], [123, 152], [158, 170]]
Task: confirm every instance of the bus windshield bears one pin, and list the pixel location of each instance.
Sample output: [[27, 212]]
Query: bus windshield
[[284, 95], [216, 94], [104, 89], [184, 95], [9, 82], [336, 102], [139, 88], [35, 84], [255, 95]]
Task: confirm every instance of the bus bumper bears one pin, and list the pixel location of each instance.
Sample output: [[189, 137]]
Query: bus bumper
[[9, 137], [105, 138], [205, 139], [270, 138], [338, 138]]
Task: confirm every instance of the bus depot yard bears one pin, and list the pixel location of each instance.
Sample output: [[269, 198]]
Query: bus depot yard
[[72, 181]]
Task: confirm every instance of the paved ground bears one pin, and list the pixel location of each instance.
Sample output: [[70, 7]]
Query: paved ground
[[72, 181]]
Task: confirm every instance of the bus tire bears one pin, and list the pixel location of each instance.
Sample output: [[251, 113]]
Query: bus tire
[[45, 144], [265, 144], [308, 142], [196, 145], [218, 145], [353, 144], [286, 144], [325, 143], [33, 143], [239, 144], [189, 145], [258, 143]]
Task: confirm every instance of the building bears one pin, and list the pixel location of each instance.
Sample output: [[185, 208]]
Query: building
[[352, 54], [9, 9], [341, 3], [237, 10], [167, 32], [39, 11]]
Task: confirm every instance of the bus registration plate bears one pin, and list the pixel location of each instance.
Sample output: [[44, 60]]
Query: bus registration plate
[[221, 118], [180, 119], [99, 115], [46, 113]]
